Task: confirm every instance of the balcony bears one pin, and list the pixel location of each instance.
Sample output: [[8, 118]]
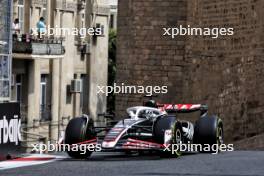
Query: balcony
[[27, 47]]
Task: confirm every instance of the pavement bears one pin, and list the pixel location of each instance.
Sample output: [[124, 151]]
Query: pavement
[[237, 163]]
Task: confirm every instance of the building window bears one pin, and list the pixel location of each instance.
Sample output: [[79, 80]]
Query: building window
[[43, 90], [20, 7], [43, 10], [112, 18], [4, 77], [44, 107], [18, 88], [44, 13], [83, 76], [82, 20], [98, 25]]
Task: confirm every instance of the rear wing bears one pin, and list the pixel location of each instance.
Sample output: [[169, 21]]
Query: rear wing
[[183, 108]]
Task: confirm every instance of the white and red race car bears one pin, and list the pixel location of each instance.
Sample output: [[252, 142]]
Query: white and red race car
[[151, 127]]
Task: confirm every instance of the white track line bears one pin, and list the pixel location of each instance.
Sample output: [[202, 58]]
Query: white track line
[[30, 160]]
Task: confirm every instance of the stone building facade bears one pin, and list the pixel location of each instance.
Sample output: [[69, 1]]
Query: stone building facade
[[226, 73], [55, 79]]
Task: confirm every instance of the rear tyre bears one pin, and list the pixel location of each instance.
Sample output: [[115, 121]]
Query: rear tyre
[[78, 130], [208, 131]]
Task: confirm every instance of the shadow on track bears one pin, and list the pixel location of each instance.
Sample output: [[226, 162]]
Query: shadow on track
[[105, 156]]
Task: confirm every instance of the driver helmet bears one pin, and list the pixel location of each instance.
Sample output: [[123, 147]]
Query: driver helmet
[[151, 103]]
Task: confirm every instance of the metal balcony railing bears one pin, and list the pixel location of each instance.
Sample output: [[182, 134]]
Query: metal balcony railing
[[27, 44]]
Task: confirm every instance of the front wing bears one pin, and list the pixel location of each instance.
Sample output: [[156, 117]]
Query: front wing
[[127, 144]]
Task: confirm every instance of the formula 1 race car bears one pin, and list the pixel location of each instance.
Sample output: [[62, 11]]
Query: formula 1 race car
[[151, 127]]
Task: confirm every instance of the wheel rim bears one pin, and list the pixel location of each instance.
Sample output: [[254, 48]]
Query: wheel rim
[[178, 136], [220, 136], [178, 140]]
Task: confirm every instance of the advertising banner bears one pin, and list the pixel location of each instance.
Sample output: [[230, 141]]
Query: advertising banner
[[10, 124]]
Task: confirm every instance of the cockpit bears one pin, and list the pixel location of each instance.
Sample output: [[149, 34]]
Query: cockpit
[[139, 112]]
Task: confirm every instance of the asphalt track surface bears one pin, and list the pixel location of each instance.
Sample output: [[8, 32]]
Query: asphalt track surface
[[242, 163]]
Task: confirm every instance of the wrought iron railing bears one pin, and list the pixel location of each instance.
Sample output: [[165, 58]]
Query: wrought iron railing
[[29, 44]]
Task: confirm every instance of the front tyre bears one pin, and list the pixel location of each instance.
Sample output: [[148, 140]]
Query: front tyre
[[161, 125], [171, 126], [77, 131], [177, 138]]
